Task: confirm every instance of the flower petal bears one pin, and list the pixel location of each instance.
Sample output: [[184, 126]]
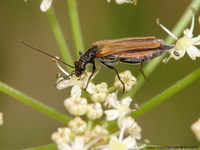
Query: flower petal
[[112, 100], [63, 84], [190, 33], [45, 5], [196, 40], [76, 91], [127, 101], [193, 52], [130, 142], [91, 88], [111, 114], [78, 143]]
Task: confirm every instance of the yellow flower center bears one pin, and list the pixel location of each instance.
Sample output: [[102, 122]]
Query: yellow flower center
[[184, 43], [123, 109], [117, 145]]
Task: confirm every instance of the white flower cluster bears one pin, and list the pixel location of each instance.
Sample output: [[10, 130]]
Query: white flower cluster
[[85, 131]]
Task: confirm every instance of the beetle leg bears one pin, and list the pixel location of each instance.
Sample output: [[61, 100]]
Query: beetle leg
[[142, 72], [65, 78], [113, 68], [93, 71]]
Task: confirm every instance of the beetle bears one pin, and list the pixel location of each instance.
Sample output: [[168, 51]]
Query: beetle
[[132, 50]]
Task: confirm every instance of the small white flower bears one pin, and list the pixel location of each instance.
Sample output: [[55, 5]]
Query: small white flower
[[124, 1], [77, 144], [127, 78], [121, 143], [196, 129], [63, 135], [121, 108], [131, 127], [94, 111], [98, 92], [1, 118], [74, 81], [187, 43], [45, 5], [77, 125], [76, 105]]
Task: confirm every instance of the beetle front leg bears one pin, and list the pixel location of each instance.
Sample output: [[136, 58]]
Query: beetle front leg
[[93, 71]]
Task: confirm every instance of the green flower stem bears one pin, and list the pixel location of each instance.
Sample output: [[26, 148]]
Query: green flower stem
[[178, 29], [167, 93], [45, 147], [75, 24], [112, 125], [111, 89], [33, 103], [65, 52]]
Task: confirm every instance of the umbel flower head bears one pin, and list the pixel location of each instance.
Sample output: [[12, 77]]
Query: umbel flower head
[[84, 131], [186, 44]]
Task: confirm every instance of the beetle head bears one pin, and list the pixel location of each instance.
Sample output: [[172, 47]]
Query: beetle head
[[79, 67]]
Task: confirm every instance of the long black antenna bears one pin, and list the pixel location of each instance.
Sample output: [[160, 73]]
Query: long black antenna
[[46, 54]]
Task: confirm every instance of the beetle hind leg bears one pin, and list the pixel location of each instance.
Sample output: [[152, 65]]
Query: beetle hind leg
[[142, 72], [113, 68]]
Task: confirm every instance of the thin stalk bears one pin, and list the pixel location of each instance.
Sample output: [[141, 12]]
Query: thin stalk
[[63, 47], [167, 93], [75, 25], [33, 103], [177, 30]]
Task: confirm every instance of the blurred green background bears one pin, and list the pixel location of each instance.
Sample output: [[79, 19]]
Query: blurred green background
[[34, 74]]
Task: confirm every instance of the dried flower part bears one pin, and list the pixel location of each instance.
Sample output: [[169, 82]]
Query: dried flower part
[[1, 118], [131, 127], [46, 5], [196, 129], [186, 44], [127, 78], [76, 105], [124, 1], [77, 125], [99, 92], [95, 111], [63, 135]]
